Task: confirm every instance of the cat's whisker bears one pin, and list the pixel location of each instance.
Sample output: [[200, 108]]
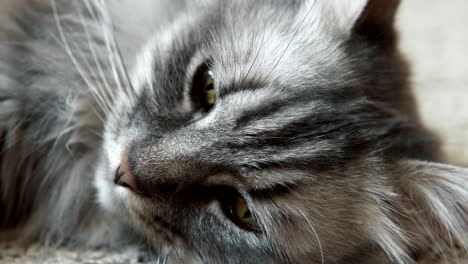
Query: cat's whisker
[[105, 94], [118, 66], [99, 79], [159, 250], [97, 133], [290, 41], [316, 236], [116, 75], [14, 130], [107, 103], [98, 114], [166, 258], [94, 54], [100, 100], [259, 50]]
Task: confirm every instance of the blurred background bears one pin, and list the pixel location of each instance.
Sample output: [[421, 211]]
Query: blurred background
[[434, 37]]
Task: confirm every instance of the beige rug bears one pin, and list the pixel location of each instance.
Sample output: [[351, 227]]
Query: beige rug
[[434, 37]]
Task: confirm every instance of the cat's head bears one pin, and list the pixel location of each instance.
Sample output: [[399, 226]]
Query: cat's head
[[269, 130]]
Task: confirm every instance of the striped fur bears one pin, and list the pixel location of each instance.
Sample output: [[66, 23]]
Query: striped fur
[[314, 125]]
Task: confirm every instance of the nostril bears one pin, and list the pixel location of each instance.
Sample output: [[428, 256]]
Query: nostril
[[124, 176]]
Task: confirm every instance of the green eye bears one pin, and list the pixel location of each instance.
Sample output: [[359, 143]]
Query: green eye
[[208, 87], [203, 92], [241, 214]]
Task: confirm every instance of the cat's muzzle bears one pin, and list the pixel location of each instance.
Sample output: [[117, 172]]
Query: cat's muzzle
[[124, 177]]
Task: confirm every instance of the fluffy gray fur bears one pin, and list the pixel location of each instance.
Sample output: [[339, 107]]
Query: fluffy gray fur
[[314, 126]]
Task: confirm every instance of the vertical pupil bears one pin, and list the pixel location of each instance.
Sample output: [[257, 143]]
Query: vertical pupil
[[203, 92], [247, 214], [242, 214], [208, 80], [209, 87], [242, 209]]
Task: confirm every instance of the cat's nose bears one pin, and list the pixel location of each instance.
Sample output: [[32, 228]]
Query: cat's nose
[[124, 176]]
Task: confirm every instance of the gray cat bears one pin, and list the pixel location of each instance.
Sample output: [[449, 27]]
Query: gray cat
[[242, 132]]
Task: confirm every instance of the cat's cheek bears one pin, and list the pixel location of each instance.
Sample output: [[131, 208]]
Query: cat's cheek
[[109, 196], [104, 191]]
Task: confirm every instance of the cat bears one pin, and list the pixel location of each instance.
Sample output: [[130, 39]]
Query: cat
[[240, 132]]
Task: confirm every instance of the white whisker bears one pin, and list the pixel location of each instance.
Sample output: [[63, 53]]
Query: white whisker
[[95, 57], [116, 63], [290, 42], [74, 60], [316, 236], [100, 90], [118, 55]]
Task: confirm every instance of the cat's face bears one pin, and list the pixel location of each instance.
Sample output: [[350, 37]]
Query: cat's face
[[250, 134]]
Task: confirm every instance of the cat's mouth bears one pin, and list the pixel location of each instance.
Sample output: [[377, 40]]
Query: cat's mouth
[[146, 218], [161, 231]]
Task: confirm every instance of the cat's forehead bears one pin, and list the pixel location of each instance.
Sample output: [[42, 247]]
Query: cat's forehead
[[276, 43]]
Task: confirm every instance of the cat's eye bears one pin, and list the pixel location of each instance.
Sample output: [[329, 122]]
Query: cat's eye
[[241, 215], [203, 90], [210, 93]]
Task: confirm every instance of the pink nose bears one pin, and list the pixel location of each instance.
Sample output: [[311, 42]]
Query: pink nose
[[124, 176]]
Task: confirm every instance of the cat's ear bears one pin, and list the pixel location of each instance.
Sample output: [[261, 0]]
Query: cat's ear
[[369, 16], [433, 204]]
